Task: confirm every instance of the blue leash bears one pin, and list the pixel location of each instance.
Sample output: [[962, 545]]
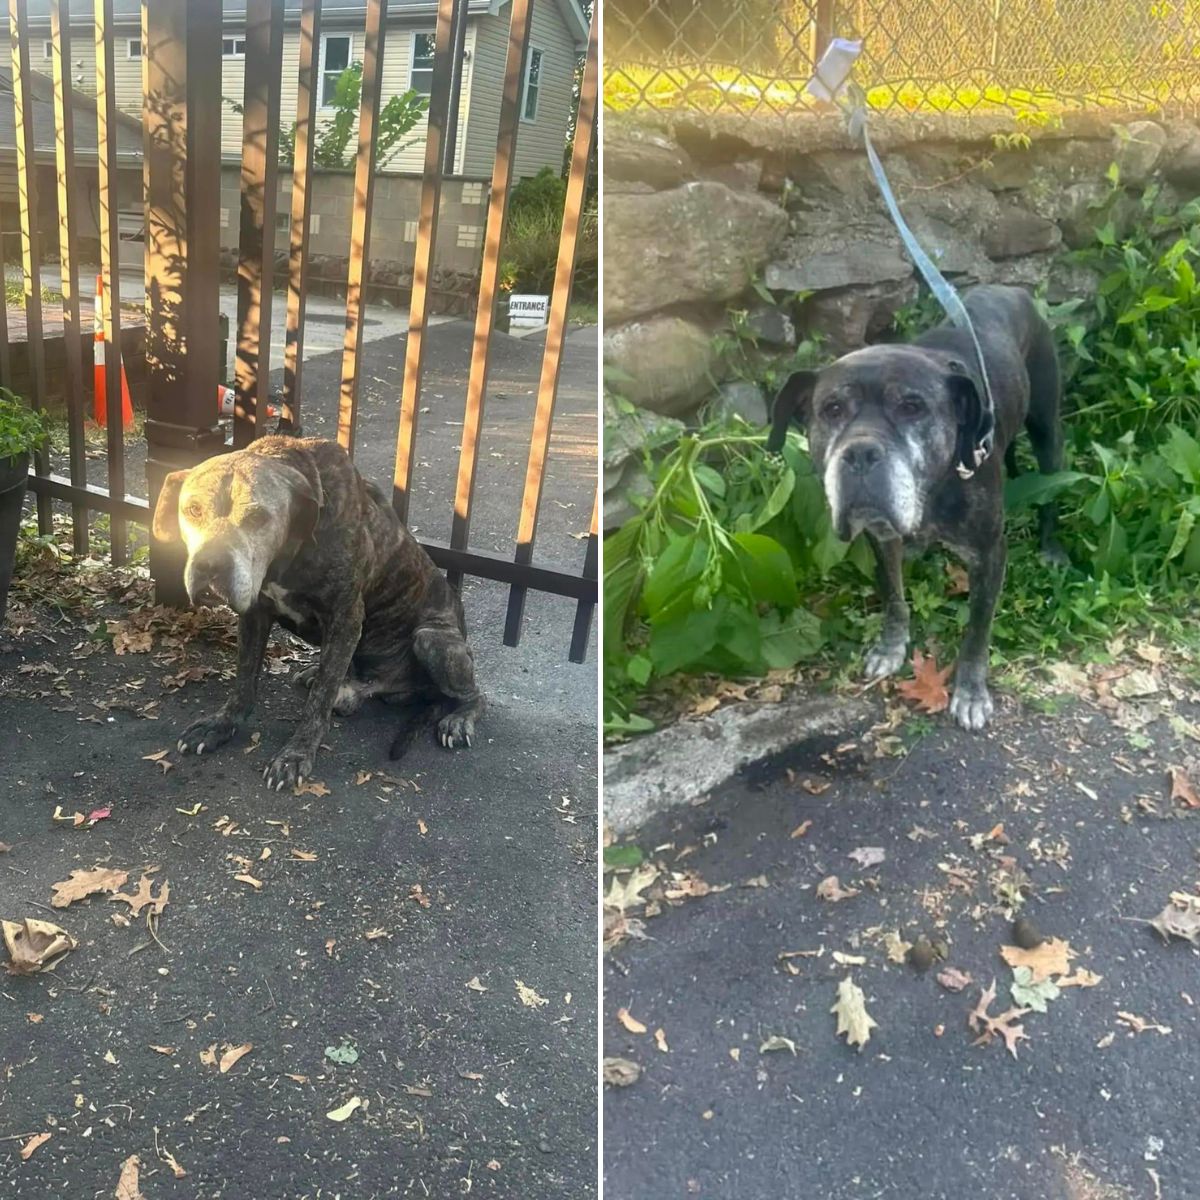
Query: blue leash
[[839, 60]]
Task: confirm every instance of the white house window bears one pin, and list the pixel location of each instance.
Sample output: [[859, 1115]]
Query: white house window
[[533, 86], [133, 48], [336, 49], [47, 50], [420, 75], [233, 47]]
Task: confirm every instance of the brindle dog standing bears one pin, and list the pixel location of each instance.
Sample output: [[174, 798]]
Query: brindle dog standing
[[287, 530], [888, 428]]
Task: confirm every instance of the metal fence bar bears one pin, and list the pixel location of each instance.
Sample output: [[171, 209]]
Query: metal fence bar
[[586, 607], [302, 159], [5, 359], [95, 499], [427, 223], [181, 48], [68, 254], [31, 241], [489, 277], [110, 266], [358, 271], [454, 103], [539, 444], [256, 237], [487, 565]]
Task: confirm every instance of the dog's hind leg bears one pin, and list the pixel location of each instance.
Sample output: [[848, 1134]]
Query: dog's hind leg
[[1044, 423], [887, 656], [444, 653]]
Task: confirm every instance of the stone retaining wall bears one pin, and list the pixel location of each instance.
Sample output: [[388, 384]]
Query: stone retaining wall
[[697, 210]]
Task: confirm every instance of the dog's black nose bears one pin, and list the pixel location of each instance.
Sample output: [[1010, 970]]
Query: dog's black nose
[[859, 457]]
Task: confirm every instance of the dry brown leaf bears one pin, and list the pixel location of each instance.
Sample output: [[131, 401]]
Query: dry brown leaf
[[895, 947], [422, 828], [417, 893], [34, 1018], [830, 888], [1140, 1024], [163, 1049], [303, 855], [209, 1057], [621, 1072], [801, 829], [630, 1021], [1052, 957], [256, 884], [362, 777], [231, 1055], [1182, 788], [34, 1142], [34, 945], [87, 883], [625, 891], [1178, 922], [311, 787], [660, 1040], [953, 980], [852, 1017], [172, 1162], [144, 896], [474, 984], [927, 688], [868, 856], [128, 1185], [1004, 1025], [129, 641], [528, 996]]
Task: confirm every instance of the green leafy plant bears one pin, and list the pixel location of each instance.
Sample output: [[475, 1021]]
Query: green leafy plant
[[534, 225], [22, 429]]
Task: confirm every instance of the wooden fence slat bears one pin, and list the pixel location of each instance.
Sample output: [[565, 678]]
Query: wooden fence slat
[[357, 274], [68, 254], [31, 241], [256, 237], [303, 143], [568, 246], [489, 276], [110, 265], [427, 223]]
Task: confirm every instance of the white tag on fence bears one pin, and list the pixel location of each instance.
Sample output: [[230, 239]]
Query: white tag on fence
[[835, 68]]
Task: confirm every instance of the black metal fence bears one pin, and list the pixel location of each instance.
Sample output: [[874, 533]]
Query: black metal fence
[[181, 54], [956, 56]]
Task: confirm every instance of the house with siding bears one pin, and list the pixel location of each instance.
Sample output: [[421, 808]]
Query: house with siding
[[558, 36]]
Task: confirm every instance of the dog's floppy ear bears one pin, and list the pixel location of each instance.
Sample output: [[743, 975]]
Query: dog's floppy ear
[[794, 403], [974, 422], [166, 511], [307, 499]]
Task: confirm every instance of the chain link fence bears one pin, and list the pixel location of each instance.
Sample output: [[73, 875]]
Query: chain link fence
[[1028, 57]]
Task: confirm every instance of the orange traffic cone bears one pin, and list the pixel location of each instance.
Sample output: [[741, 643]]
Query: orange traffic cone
[[100, 398]]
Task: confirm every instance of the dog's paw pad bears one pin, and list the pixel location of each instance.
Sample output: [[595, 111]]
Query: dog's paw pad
[[972, 707], [455, 730], [884, 659]]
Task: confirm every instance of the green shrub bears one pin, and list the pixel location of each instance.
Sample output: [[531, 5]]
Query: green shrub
[[530, 254], [22, 429]]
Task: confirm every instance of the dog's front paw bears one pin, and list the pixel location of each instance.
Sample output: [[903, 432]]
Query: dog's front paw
[[1054, 554], [306, 676], [971, 705], [885, 658], [456, 730], [207, 734], [290, 767]]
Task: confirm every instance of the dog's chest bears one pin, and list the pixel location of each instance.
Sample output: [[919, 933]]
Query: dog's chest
[[292, 611]]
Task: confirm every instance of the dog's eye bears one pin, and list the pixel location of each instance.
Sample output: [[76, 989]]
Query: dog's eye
[[193, 510], [910, 406], [832, 409], [254, 518]]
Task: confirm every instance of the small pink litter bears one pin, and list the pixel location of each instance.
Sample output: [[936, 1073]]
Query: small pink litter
[[98, 814]]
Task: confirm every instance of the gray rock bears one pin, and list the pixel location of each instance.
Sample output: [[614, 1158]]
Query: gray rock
[[848, 319], [1137, 147], [1181, 165], [741, 398], [628, 430], [1071, 281], [699, 242], [1030, 271], [1017, 232], [1090, 205], [666, 364], [635, 154], [1007, 171], [771, 326], [832, 260], [954, 251], [626, 491], [745, 175]]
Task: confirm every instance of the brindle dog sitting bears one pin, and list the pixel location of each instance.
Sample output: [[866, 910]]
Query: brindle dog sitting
[[287, 530]]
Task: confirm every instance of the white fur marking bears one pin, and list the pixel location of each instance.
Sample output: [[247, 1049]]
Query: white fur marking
[[279, 600]]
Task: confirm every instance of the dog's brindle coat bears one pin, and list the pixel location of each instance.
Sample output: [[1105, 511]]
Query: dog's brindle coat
[[887, 428], [288, 530]]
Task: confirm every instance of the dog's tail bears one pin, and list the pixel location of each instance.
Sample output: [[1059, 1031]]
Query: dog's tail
[[414, 718]]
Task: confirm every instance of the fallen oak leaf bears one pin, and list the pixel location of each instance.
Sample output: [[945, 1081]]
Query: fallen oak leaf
[[34, 1142], [144, 896], [1052, 957], [852, 1017], [34, 945], [830, 888], [630, 1021], [953, 980], [1182, 788], [86, 883], [1004, 1024], [1177, 922], [128, 1184], [927, 688]]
